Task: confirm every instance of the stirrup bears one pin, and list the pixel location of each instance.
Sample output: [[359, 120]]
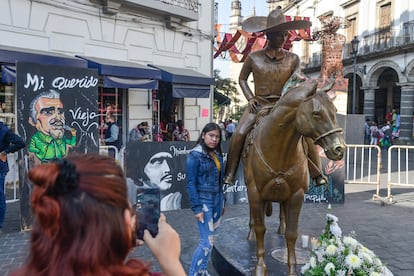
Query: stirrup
[[320, 180], [229, 179]]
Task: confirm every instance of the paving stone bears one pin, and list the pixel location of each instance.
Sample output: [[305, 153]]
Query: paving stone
[[388, 230]]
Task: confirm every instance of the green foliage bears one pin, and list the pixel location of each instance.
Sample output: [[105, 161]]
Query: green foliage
[[227, 87]]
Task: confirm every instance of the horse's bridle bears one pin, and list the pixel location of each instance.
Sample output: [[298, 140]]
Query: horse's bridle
[[327, 134]]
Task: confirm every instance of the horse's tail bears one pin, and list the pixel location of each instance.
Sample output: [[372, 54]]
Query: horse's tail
[[269, 208]]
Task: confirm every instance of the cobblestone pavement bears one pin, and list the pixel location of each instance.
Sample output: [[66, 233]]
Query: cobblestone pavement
[[387, 229]]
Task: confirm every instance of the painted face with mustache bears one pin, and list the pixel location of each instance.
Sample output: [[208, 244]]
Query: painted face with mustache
[[158, 170], [50, 117]]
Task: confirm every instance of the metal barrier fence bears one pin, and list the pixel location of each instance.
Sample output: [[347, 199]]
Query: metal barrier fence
[[119, 154], [11, 182], [363, 166], [401, 171]]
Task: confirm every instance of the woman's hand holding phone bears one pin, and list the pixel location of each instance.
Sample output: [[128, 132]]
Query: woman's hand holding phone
[[166, 247]]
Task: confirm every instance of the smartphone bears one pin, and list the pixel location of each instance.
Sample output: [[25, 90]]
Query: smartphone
[[147, 208]]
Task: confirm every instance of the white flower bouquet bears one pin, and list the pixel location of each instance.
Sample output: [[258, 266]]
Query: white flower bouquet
[[342, 256]]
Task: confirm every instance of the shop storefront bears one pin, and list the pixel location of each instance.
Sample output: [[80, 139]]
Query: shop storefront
[[175, 85], [117, 78]]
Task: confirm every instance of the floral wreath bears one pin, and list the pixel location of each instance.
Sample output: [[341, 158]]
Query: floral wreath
[[342, 256]]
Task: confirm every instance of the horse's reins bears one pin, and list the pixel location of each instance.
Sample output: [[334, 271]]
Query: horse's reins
[[261, 157], [327, 134]]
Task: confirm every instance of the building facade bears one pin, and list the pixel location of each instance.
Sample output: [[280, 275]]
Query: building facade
[[384, 75], [153, 56], [384, 57]]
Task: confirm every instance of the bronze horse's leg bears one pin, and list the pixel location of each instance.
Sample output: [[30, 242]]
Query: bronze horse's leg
[[294, 205], [282, 218], [257, 212]]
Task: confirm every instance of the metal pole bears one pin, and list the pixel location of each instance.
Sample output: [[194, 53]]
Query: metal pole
[[354, 85]]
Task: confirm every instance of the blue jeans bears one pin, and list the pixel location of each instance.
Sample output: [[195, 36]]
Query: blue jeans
[[2, 198], [212, 209]]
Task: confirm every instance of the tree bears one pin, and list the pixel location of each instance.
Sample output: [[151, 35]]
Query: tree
[[227, 87]]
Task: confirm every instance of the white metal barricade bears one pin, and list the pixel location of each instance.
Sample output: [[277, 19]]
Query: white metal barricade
[[11, 183], [401, 172], [363, 166], [119, 154]]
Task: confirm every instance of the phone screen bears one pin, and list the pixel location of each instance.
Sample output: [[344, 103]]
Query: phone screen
[[147, 208]]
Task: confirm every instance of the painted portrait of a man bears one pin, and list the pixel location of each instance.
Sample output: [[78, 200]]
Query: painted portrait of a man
[[49, 142], [158, 166]]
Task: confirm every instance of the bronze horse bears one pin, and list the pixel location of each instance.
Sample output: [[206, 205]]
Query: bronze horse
[[275, 164]]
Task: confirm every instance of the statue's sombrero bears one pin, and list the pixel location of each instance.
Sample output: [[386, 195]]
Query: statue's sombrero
[[274, 22]]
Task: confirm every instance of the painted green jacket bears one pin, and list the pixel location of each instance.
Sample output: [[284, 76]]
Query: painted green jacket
[[46, 147]]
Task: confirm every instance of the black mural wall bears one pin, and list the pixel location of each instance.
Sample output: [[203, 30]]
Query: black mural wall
[[168, 171], [57, 113]]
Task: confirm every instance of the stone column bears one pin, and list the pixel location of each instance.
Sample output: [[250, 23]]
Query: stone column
[[369, 101], [406, 112]]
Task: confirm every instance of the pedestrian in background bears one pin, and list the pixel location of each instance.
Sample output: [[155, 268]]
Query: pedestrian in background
[[386, 141], [230, 128], [223, 131], [83, 223], [367, 132], [112, 137], [10, 142], [140, 133], [205, 173], [180, 133], [374, 131]]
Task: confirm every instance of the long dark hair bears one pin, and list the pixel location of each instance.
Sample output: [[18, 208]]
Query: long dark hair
[[207, 128], [79, 226]]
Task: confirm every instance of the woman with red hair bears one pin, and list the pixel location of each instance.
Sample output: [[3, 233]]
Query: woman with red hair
[[83, 223]]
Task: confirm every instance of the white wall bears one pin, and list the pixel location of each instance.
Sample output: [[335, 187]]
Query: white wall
[[79, 28]]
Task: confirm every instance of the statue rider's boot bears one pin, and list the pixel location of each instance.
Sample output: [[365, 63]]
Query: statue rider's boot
[[232, 164], [320, 180]]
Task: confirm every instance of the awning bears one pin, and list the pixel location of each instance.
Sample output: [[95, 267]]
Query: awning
[[181, 75], [8, 73], [186, 83], [190, 91], [117, 82], [221, 99], [124, 74], [10, 55]]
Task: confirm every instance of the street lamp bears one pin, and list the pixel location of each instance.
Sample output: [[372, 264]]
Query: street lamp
[[354, 44]]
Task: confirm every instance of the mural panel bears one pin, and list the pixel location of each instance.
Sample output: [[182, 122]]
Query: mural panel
[[57, 110]]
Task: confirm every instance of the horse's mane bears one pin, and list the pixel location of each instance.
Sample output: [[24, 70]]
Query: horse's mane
[[296, 94]]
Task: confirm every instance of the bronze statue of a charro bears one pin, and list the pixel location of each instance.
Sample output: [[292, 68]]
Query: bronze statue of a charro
[[278, 148], [275, 164]]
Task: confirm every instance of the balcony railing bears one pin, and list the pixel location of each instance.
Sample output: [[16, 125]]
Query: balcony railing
[[408, 29], [373, 43]]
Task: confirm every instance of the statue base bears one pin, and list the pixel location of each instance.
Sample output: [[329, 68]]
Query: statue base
[[234, 255]]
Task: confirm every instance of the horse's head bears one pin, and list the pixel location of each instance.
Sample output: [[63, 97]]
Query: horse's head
[[316, 118]]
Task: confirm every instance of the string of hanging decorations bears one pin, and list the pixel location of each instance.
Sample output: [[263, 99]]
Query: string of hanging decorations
[[238, 45]]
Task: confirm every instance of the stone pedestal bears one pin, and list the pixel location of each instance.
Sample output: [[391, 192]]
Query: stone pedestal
[[234, 255]]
